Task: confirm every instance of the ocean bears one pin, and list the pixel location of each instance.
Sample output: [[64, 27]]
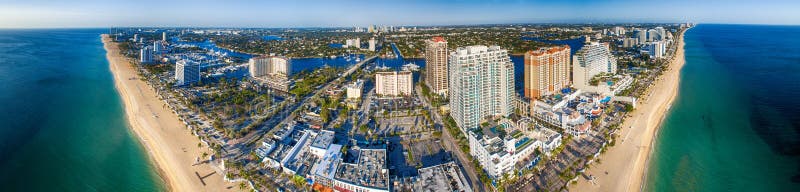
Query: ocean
[[734, 125], [62, 123]]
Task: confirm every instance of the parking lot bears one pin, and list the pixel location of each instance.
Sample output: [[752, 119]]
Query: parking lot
[[401, 125]]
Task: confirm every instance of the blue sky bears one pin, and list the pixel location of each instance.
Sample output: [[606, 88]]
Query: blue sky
[[319, 13]]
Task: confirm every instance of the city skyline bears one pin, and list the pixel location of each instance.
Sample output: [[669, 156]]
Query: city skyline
[[313, 13]]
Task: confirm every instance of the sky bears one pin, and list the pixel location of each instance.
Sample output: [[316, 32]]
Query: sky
[[347, 13]]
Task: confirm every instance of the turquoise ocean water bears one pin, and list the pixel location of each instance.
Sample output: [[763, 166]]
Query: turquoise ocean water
[[62, 123], [734, 125]]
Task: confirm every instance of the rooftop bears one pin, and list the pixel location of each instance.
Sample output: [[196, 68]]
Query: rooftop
[[284, 148], [548, 50], [444, 177], [323, 139], [300, 163], [369, 171], [326, 167]]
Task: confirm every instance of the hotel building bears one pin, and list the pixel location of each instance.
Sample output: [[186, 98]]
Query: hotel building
[[591, 60], [436, 65], [393, 84], [546, 71], [481, 84], [502, 155]]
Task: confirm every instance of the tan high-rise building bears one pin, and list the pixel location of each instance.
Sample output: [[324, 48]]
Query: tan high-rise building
[[546, 71], [436, 65]]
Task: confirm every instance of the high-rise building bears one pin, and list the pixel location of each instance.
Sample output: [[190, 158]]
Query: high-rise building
[[662, 33], [273, 71], [652, 35], [481, 84], [372, 44], [164, 36], [630, 42], [392, 84], [642, 35], [436, 65], [353, 43], [135, 37], [187, 72], [146, 55], [619, 31], [591, 60], [546, 71], [158, 47], [268, 65], [656, 49]]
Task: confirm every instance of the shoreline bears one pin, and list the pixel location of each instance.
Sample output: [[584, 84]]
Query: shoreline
[[624, 167], [170, 146]]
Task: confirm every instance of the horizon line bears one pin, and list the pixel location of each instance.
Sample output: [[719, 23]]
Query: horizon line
[[344, 27]]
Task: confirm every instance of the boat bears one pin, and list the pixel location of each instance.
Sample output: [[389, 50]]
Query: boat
[[410, 67]]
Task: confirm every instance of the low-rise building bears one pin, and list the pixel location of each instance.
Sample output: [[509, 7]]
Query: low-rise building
[[499, 154], [443, 177], [574, 120], [321, 142], [367, 174], [355, 89], [547, 139], [325, 169], [287, 150], [300, 158]]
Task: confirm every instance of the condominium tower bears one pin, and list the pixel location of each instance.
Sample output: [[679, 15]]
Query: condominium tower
[[436, 65], [187, 72], [481, 84], [372, 43], [546, 71], [591, 60], [146, 55], [392, 84], [272, 71]]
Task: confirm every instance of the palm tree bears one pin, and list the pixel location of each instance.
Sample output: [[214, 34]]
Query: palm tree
[[242, 186]]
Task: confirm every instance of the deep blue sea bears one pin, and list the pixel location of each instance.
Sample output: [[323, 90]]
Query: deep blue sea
[[734, 125], [62, 123]]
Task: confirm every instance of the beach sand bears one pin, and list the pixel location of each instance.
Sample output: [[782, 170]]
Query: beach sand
[[626, 162], [169, 143]]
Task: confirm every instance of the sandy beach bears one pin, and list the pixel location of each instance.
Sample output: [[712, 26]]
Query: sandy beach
[[170, 145], [623, 166]]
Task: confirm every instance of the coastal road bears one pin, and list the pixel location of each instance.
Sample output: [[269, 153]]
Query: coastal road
[[451, 144], [254, 136]]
